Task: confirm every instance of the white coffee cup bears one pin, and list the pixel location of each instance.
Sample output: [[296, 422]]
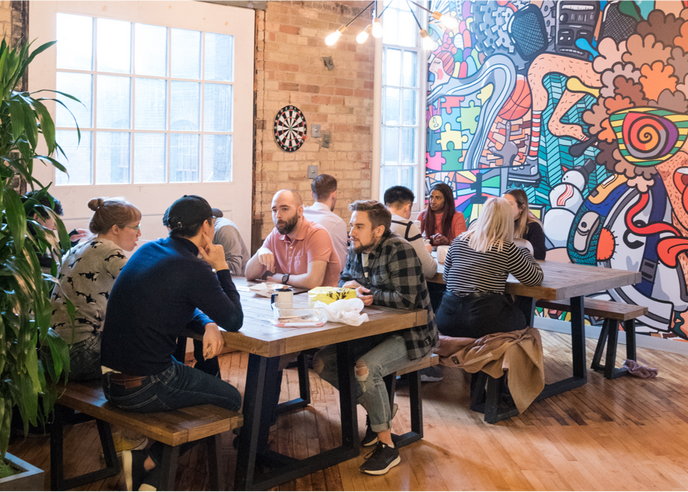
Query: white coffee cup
[[442, 254], [283, 297]]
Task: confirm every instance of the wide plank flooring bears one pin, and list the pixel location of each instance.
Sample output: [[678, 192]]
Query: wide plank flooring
[[625, 434]]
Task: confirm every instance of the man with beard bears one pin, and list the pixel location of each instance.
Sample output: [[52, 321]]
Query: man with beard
[[297, 252], [385, 270]]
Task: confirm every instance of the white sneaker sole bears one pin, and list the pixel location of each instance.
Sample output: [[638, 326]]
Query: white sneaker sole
[[127, 468], [385, 470]]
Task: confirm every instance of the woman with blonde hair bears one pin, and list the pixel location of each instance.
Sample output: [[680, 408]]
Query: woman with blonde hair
[[475, 270], [87, 274], [526, 225]]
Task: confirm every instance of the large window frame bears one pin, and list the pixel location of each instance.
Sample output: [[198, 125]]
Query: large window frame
[[380, 85], [233, 198]]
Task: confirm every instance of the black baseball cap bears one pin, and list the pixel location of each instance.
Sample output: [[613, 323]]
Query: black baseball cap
[[188, 211]]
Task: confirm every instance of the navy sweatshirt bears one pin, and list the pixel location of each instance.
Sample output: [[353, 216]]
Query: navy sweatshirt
[[157, 295]]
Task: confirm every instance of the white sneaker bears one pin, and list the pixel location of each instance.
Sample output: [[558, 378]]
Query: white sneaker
[[432, 374], [124, 443]]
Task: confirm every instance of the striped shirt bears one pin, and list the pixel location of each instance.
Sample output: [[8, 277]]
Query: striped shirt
[[466, 270]]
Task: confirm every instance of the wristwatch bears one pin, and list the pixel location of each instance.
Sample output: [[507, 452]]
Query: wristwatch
[[285, 278]]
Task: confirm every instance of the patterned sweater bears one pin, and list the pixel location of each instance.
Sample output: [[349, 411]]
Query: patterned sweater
[[394, 276], [86, 276]]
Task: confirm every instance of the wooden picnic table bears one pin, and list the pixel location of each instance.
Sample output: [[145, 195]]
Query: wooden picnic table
[[565, 281], [266, 343]]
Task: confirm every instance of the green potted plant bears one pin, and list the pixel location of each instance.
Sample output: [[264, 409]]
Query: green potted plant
[[25, 311]]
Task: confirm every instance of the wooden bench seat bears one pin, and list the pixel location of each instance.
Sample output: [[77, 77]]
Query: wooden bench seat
[[172, 428], [613, 313], [416, 403]]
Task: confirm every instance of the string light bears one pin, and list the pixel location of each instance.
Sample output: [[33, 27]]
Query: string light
[[332, 38], [377, 28], [428, 43], [363, 35]]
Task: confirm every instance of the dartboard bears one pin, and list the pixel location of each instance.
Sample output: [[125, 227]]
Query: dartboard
[[290, 128]]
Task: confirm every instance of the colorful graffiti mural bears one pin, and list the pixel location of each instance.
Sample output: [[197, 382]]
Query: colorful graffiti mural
[[583, 104]]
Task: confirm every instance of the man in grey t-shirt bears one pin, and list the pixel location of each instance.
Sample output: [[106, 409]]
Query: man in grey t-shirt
[[227, 234]]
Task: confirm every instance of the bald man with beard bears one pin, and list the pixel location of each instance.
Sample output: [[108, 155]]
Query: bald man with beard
[[297, 252]]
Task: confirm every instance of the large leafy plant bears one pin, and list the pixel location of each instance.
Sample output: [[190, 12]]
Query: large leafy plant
[[25, 127]]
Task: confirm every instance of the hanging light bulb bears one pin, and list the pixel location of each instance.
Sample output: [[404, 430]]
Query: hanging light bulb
[[446, 20], [377, 28], [363, 35], [428, 43], [332, 38]]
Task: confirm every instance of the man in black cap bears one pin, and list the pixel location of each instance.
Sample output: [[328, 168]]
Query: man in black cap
[[163, 289]]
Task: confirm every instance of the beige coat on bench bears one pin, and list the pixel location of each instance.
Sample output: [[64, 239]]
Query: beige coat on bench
[[518, 352]]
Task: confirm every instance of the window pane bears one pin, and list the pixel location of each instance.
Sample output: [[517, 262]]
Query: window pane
[[391, 106], [410, 69], [113, 103], [217, 158], [410, 108], [390, 146], [112, 157], [150, 107], [185, 106], [217, 108], [392, 68], [407, 29], [74, 42], [77, 85], [149, 158], [184, 157], [408, 145], [77, 157], [390, 23], [186, 54], [219, 57], [390, 177], [407, 176], [150, 50], [114, 46]]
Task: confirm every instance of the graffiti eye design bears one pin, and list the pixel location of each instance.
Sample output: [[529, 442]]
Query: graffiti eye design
[[648, 136]]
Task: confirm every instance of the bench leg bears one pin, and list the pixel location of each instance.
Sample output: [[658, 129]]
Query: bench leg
[[57, 480], [601, 342], [170, 455], [416, 404], [216, 470], [613, 337], [629, 328]]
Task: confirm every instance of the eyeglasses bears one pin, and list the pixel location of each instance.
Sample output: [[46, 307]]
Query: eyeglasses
[[137, 228]]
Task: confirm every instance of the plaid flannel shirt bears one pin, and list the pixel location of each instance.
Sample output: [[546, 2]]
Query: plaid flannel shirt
[[394, 276]]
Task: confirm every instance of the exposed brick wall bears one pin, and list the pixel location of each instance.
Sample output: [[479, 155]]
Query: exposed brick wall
[[290, 44], [6, 19]]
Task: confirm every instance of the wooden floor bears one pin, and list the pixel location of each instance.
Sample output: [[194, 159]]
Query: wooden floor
[[625, 434]]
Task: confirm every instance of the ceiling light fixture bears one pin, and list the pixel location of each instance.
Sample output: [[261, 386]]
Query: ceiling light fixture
[[428, 43], [331, 39], [447, 20]]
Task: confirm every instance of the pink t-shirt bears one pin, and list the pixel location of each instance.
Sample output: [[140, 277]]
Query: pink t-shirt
[[313, 243]]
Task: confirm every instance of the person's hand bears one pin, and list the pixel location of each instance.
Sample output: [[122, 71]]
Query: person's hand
[[266, 258], [77, 235], [212, 341], [364, 294], [351, 284], [214, 254], [438, 240]]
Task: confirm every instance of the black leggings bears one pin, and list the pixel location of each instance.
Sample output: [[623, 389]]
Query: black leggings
[[477, 316]]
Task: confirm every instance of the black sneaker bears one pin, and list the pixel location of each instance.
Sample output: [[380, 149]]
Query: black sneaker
[[134, 472], [370, 435], [381, 460], [152, 480]]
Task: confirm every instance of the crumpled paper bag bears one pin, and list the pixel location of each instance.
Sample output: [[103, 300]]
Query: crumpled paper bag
[[265, 289], [344, 311]]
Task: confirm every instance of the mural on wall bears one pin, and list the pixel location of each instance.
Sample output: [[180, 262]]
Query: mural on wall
[[584, 105]]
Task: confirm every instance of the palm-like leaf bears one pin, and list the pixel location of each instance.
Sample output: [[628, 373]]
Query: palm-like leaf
[[25, 289]]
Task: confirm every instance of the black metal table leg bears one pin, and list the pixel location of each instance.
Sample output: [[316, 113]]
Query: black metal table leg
[[170, 455]]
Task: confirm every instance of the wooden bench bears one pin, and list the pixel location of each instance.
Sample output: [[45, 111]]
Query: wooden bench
[[613, 314], [172, 428], [412, 370]]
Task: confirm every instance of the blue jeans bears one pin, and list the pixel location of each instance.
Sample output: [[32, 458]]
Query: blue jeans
[[84, 358], [375, 357], [178, 386]]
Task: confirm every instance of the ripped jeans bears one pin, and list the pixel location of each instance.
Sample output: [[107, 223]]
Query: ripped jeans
[[375, 357]]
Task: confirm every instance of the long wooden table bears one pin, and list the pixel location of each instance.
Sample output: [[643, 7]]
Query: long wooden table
[[565, 281], [266, 343]]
